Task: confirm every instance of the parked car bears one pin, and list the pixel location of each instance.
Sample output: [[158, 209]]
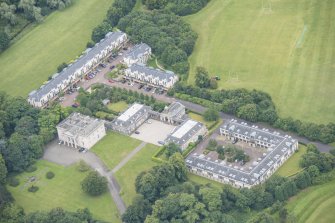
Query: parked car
[[161, 142], [110, 81], [81, 150], [112, 67], [75, 105], [141, 86], [137, 132]]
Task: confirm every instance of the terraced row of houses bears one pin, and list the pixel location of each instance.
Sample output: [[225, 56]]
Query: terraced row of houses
[[75, 71], [148, 75], [278, 149]]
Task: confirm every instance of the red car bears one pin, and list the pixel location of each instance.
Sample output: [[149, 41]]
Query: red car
[[110, 81]]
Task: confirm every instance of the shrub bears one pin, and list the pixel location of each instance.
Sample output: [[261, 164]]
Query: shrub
[[50, 175], [94, 184], [83, 167], [13, 182], [33, 189], [31, 169]]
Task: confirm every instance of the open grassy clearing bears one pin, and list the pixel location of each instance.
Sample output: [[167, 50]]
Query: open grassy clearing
[[314, 204], [118, 106], [200, 118], [289, 53], [126, 176], [60, 38], [114, 147], [291, 166], [63, 190], [203, 181]]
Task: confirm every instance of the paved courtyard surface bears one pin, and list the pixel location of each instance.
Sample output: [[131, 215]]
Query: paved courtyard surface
[[154, 132]]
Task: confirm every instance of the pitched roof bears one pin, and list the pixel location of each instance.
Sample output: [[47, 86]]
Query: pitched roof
[[58, 78], [137, 51], [156, 73], [131, 114], [280, 146], [184, 132]]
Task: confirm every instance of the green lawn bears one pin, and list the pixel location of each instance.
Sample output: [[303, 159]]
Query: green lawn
[[315, 204], [114, 147], [291, 166], [199, 118], [203, 181], [289, 53], [118, 106], [63, 190], [126, 176], [60, 38]]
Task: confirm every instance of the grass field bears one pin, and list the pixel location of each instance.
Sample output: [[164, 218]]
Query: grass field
[[289, 53], [315, 204], [199, 118], [118, 106], [114, 147], [60, 38], [291, 166], [203, 181], [63, 190], [126, 176]]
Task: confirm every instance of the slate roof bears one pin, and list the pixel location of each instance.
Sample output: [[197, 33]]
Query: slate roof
[[184, 132], [280, 146], [173, 109], [132, 114], [89, 54], [156, 73], [79, 125], [137, 51]]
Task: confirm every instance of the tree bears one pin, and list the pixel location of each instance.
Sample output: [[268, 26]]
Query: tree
[[137, 211], [100, 31], [211, 115], [248, 112], [3, 170], [61, 67], [4, 41], [178, 163], [31, 12], [211, 197], [26, 126], [7, 13], [94, 184], [171, 149], [155, 4], [202, 79], [12, 214]]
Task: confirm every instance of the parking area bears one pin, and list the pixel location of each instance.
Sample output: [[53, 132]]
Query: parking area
[[153, 131]]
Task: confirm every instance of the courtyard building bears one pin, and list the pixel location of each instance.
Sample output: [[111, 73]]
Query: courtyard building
[[150, 76], [131, 119], [186, 133], [139, 53], [278, 149], [174, 113], [80, 131], [59, 82]]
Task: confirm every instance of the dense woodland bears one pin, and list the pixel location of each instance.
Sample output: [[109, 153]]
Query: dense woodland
[[165, 194], [171, 39], [15, 15], [179, 7]]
